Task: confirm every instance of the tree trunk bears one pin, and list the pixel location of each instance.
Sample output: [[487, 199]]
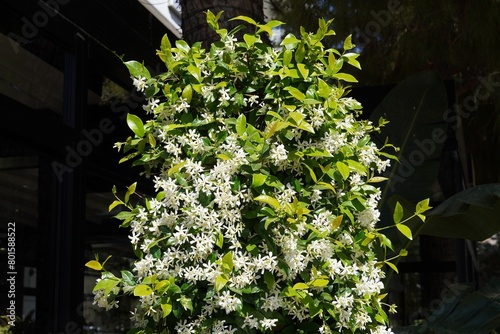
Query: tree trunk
[[194, 24]]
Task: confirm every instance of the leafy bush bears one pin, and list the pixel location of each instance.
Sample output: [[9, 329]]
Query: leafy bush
[[266, 205]]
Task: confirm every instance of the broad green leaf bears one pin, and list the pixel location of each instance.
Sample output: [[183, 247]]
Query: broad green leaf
[[227, 261], [348, 43], [137, 69], [241, 125], [182, 45], [345, 76], [162, 286], [405, 230], [258, 179], [142, 290], [300, 53], [398, 213], [114, 204], [295, 93], [269, 279], [220, 282], [176, 168], [128, 277], [290, 41], [319, 282], [250, 39], [392, 265], [303, 70], [287, 57], [93, 264], [135, 124], [166, 308], [130, 191], [268, 200], [219, 240], [423, 206], [244, 18], [324, 89], [195, 72], [300, 286], [187, 93], [336, 222], [343, 169], [106, 284]]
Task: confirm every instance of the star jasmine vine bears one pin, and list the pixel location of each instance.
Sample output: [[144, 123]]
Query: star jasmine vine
[[266, 206]]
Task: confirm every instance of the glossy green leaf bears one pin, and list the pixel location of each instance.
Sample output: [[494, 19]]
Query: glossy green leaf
[[343, 169], [405, 230], [166, 308], [93, 264], [258, 179], [345, 76], [295, 93], [142, 290], [241, 125], [220, 282], [398, 213], [268, 200], [137, 69], [135, 124]]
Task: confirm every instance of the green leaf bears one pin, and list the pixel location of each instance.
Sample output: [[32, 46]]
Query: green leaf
[[250, 39], [319, 282], [114, 204], [300, 286], [166, 308], [128, 277], [241, 125], [423, 206], [227, 262], [176, 168], [348, 43], [398, 213], [130, 191], [268, 200], [392, 265], [343, 169], [137, 69], [106, 284], [405, 230], [135, 124], [220, 282], [258, 179], [345, 76], [219, 240], [269, 279], [187, 93], [142, 290], [303, 70], [244, 18], [295, 93], [93, 264], [195, 72]]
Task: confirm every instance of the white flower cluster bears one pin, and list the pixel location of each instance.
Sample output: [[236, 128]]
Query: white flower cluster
[[264, 216]]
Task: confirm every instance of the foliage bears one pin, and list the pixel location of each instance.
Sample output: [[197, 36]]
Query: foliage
[[266, 205], [462, 310]]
